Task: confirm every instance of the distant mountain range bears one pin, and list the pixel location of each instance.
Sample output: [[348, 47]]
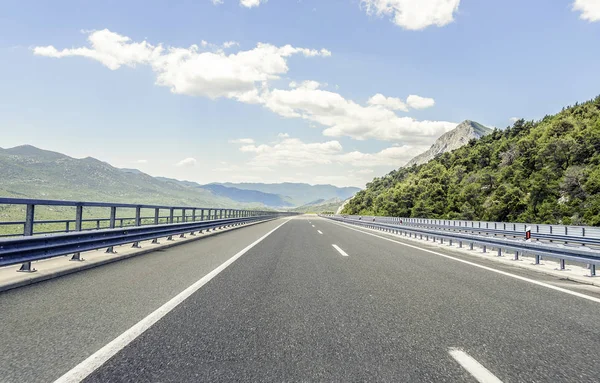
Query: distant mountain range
[[30, 172], [299, 194], [454, 139]]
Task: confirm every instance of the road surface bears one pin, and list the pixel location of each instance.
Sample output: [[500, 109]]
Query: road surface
[[314, 300]]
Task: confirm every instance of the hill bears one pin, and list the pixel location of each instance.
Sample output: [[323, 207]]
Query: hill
[[541, 172], [299, 194], [319, 206], [454, 139], [27, 171]]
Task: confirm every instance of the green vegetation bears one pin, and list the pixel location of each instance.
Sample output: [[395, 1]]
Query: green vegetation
[[540, 172], [319, 206]]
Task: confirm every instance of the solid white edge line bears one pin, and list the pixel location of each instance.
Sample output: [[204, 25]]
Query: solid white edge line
[[97, 359], [340, 250], [543, 284], [319, 231], [479, 372]]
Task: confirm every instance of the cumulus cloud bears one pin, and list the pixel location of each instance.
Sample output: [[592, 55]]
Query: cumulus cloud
[[590, 9], [418, 102], [229, 44], [188, 162], [246, 76], [217, 2], [388, 102], [514, 119], [242, 141], [343, 117], [283, 135], [191, 71], [251, 3], [415, 14], [296, 153]]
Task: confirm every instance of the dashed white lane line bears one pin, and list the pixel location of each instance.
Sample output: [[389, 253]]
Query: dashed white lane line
[[524, 279], [340, 250], [480, 373], [97, 359], [319, 231], [313, 225]]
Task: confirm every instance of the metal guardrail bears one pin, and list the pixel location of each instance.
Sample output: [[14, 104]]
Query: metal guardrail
[[33, 246], [584, 235], [580, 254]]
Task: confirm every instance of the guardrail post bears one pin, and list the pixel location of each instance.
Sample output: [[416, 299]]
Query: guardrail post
[[111, 225], [499, 252], [537, 259], [201, 214], [27, 232], [183, 219], [561, 263], [138, 222], [516, 258], [156, 220], [471, 246], [171, 211], [450, 242], [484, 248], [78, 218], [592, 270]]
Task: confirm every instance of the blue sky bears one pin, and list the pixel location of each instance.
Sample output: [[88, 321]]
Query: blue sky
[[303, 90]]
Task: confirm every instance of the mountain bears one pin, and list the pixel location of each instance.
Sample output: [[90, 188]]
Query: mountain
[[547, 171], [242, 195], [27, 171], [298, 194], [454, 139], [319, 206]]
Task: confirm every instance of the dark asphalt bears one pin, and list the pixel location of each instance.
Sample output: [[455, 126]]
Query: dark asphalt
[[49, 327], [294, 309]]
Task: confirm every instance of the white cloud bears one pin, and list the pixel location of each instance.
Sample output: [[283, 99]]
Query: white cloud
[[188, 162], [245, 76], [513, 119], [296, 153], [391, 103], [141, 161], [217, 2], [229, 44], [251, 3], [418, 102], [292, 152], [414, 14], [343, 117], [188, 70], [242, 141], [111, 49], [283, 135], [590, 9], [392, 157]]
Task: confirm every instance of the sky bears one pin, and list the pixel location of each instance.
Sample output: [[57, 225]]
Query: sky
[[316, 91]]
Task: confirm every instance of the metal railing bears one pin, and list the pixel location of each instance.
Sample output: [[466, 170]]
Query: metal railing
[[32, 245], [583, 235], [562, 253]]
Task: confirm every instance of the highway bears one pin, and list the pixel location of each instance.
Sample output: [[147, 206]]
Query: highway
[[302, 299]]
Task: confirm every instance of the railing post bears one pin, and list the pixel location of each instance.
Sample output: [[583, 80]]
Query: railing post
[[170, 238], [111, 225], [156, 220], [27, 232], [78, 218], [201, 214], [138, 222]]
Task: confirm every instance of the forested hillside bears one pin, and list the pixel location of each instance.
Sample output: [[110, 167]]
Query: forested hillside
[[539, 172]]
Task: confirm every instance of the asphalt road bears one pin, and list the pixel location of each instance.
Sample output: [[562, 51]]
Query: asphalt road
[[296, 308]]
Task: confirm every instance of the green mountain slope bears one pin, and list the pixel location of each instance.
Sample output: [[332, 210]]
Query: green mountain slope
[[540, 172], [29, 172]]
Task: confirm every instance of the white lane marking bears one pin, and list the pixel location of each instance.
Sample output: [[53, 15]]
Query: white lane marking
[[319, 231], [340, 250], [482, 374], [97, 359], [543, 284]]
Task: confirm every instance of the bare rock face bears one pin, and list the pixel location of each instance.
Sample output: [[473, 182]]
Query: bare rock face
[[452, 140]]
